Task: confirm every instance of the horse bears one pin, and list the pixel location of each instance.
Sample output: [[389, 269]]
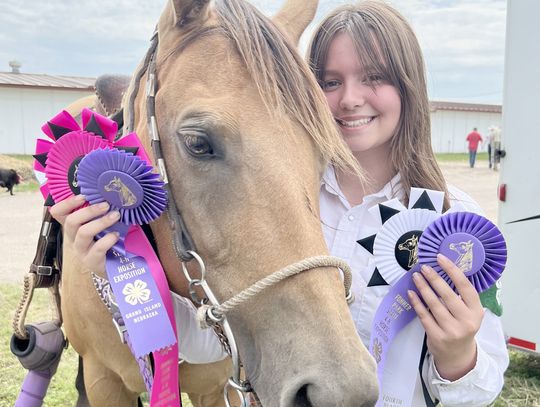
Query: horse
[[125, 196], [465, 258], [245, 134], [411, 245]]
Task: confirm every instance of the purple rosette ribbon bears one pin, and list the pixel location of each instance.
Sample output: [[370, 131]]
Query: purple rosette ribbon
[[126, 182], [136, 277], [471, 241]]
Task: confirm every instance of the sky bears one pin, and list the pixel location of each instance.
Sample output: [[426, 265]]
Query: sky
[[462, 40]]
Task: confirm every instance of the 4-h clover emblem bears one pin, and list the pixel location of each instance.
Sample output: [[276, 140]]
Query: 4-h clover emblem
[[136, 292], [377, 350]]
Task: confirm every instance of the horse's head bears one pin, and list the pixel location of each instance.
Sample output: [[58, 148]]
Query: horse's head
[[461, 247], [246, 133], [114, 185], [409, 244]]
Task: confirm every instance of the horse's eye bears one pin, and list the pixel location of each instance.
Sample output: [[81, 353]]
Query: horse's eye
[[198, 145]]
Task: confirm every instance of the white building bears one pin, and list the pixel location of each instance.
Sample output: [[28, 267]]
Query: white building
[[452, 121], [27, 101]]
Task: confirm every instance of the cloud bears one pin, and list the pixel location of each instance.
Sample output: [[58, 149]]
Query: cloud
[[462, 40], [463, 45]]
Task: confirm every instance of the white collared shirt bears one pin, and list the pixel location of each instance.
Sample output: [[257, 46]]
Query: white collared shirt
[[342, 226]]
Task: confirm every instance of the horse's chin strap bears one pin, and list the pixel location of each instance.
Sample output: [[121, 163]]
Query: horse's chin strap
[[214, 314]]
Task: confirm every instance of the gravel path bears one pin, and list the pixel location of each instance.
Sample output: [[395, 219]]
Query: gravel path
[[20, 222], [20, 216]]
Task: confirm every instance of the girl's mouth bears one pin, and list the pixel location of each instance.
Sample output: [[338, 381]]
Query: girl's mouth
[[355, 123]]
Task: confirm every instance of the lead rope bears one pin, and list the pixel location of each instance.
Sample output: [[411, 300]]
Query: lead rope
[[21, 311], [213, 313]]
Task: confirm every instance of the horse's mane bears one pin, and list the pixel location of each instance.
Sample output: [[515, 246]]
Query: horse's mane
[[282, 77]]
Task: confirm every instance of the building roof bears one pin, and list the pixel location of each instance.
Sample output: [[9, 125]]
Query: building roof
[[465, 107], [12, 79]]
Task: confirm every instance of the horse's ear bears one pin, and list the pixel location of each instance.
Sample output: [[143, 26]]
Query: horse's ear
[[295, 16], [186, 11]]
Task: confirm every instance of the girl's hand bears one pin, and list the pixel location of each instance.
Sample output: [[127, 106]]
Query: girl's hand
[[451, 321], [80, 228]]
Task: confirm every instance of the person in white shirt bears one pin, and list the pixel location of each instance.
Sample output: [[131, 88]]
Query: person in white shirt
[[369, 64]]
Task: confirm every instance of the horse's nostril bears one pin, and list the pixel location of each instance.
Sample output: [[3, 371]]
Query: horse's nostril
[[301, 399]]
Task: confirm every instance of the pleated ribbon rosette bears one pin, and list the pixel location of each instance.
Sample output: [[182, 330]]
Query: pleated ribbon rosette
[[137, 279], [408, 238], [91, 162], [59, 158]]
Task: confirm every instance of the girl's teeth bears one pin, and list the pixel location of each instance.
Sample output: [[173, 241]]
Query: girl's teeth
[[355, 123]]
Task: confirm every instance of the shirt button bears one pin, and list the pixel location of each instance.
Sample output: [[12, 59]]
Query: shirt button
[[351, 218]]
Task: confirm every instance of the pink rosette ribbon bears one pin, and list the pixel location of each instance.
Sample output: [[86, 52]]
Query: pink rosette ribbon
[[60, 161], [59, 158]]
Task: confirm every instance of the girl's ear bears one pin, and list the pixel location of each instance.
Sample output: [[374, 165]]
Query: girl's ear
[[295, 16]]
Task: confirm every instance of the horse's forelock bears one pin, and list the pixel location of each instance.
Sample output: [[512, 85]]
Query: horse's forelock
[[283, 79]]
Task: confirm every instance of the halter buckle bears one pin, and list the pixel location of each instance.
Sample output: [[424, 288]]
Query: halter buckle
[[121, 329]]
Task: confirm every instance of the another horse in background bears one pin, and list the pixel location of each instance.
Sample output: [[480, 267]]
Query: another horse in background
[[246, 135]]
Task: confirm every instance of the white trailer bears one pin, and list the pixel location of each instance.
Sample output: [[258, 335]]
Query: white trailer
[[519, 209]]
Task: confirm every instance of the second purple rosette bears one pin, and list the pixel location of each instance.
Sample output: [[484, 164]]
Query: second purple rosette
[[126, 182], [471, 241], [135, 275]]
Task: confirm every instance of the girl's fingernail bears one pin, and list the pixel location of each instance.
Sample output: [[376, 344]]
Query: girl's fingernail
[[442, 257], [114, 215], [103, 205], [416, 276], [425, 269], [80, 198]]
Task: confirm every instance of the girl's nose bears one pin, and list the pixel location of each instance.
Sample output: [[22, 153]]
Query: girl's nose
[[353, 96]]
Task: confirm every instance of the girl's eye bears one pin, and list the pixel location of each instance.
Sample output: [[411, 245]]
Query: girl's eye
[[198, 145], [330, 84], [374, 79]]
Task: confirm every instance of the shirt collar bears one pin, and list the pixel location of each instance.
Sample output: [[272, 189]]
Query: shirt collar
[[391, 190]]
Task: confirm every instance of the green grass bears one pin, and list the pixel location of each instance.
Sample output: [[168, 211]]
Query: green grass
[[454, 157], [522, 386], [62, 392], [23, 164], [27, 186], [28, 158]]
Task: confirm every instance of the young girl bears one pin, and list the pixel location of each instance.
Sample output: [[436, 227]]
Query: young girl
[[370, 67]]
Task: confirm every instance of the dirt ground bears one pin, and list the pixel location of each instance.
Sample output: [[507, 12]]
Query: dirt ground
[[20, 215]]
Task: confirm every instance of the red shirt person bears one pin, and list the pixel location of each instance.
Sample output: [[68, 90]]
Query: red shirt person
[[473, 138]]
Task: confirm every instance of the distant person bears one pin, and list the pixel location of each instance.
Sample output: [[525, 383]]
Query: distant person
[[490, 150], [495, 135], [473, 138]]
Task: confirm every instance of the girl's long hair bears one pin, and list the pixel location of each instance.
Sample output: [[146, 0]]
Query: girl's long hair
[[387, 46]]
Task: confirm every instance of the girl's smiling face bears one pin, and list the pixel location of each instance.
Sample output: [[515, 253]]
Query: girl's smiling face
[[365, 106]]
